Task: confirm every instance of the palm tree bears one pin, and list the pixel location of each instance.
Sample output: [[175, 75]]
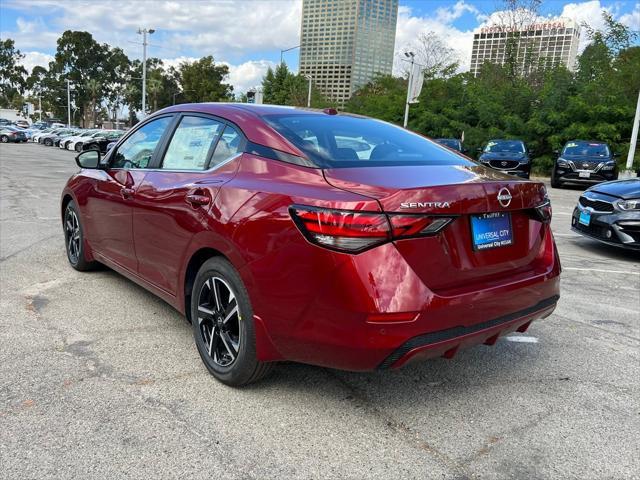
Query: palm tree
[[94, 88], [154, 86]]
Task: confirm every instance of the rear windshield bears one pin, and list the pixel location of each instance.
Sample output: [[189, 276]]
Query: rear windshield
[[586, 149], [336, 141], [511, 146]]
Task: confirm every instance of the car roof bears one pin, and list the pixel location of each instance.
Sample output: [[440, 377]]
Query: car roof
[[249, 118], [595, 142]]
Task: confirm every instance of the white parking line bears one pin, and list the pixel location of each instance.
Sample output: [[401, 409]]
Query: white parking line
[[599, 270], [521, 339]]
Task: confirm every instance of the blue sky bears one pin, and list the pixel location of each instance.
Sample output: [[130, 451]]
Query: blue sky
[[249, 34]]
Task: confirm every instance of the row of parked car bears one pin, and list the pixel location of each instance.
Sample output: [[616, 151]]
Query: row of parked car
[[77, 139], [579, 162]]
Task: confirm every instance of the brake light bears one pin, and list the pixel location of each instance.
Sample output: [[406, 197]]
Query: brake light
[[354, 232], [542, 212]]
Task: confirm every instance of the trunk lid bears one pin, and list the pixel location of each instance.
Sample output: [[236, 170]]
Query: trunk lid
[[448, 263]]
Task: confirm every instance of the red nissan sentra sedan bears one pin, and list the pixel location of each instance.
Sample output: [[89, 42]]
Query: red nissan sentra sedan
[[312, 236]]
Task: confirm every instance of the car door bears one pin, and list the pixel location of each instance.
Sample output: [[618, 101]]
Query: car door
[[110, 205], [173, 201]]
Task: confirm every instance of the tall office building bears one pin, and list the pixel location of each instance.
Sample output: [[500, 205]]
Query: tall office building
[[554, 41], [345, 43]]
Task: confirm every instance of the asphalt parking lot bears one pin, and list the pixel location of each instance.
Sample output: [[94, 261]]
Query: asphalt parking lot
[[101, 379]]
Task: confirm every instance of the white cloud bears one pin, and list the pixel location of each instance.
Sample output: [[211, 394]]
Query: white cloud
[[218, 28], [32, 34], [175, 62], [589, 12], [243, 76], [32, 59], [632, 19], [234, 31], [248, 75], [410, 27]]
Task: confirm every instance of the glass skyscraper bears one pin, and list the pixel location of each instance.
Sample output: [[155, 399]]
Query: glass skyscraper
[[345, 43]]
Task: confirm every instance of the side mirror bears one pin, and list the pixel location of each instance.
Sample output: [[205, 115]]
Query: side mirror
[[88, 159]]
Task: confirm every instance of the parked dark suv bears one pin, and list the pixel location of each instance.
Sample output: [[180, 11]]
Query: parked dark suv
[[508, 156], [584, 162], [453, 143]]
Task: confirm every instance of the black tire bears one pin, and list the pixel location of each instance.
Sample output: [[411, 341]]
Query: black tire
[[78, 147], [554, 182], [48, 142], [4, 139], [232, 361], [74, 239]]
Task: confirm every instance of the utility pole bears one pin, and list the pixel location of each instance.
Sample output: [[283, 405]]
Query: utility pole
[[40, 106], [634, 136], [406, 107], [143, 32], [68, 103]]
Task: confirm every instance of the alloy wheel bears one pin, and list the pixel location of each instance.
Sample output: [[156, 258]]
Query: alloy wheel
[[219, 321], [72, 233]]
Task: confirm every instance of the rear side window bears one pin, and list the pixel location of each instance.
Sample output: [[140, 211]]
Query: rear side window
[[228, 146], [191, 144], [334, 141], [137, 150]]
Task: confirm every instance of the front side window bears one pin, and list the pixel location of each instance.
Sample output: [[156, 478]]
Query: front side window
[[337, 141], [191, 143], [137, 150]]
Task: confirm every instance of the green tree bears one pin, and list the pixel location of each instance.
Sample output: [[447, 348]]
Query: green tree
[[12, 73], [94, 91], [204, 81], [282, 87]]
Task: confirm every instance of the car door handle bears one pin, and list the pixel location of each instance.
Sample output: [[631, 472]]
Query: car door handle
[[196, 200], [126, 193]]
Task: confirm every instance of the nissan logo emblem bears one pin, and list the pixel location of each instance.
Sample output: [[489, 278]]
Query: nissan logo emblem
[[504, 197]]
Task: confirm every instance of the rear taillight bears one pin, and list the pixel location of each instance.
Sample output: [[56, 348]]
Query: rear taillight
[[354, 232], [542, 212]]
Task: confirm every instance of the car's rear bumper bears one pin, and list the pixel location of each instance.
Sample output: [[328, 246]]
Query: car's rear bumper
[[447, 342], [373, 311]]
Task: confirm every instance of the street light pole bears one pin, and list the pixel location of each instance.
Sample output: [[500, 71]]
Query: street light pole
[[634, 136], [143, 32], [40, 106], [286, 50], [309, 95], [68, 103], [406, 107]]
